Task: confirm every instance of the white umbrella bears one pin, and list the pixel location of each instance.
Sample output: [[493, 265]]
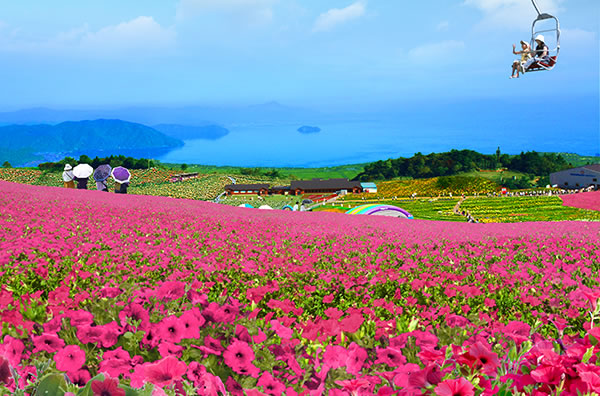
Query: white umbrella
[[265, 207], [83, 171]]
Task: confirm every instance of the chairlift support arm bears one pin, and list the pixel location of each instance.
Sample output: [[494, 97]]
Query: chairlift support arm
[[541, 15], [536, 7]]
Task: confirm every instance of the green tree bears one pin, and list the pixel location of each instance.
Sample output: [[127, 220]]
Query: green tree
[[6, 164], [184, 167]]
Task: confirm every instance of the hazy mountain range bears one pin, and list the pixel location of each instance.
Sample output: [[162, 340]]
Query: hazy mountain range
[[189, 116], [21, 144]]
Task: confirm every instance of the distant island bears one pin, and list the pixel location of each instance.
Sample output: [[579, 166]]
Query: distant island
[[29, 144], [309, 129], [187, 132]]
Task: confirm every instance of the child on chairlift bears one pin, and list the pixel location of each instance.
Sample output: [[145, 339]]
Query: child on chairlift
[[518, 66]]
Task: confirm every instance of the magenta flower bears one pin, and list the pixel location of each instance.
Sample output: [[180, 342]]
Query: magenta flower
[[353, 386], [135, 312], [12, 349], [4, 370], [191, 324], [169, 291], [270, 385], [171, 329], [108, 387], [70, 358], [47, 342], [390, 356], [89, 334], [239, 355], [458, 387], [80, 377], [165, 371]]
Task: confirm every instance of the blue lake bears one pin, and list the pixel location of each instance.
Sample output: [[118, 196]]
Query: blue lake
[[279, 145]]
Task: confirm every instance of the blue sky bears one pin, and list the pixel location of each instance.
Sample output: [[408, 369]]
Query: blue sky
[[315, 53]]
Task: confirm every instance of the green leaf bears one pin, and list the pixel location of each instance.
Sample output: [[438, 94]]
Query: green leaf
[[145, 391], [51, 385], [587, 355], [87, 390], [512, 354], [413, 324]]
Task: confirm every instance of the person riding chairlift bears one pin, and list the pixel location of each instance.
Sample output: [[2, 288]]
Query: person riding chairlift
[[540, 54]]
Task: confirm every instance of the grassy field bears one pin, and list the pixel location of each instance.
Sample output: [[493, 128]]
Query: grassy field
[[276, 201], [434, 187], [343, 171], [580, 160], [519, 209], [422, 209], [496, 177]]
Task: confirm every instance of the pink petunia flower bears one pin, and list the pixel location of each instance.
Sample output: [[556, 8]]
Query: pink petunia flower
[[5, 374], [390, 356], [171, 290], [171, 329], [135, 312], [455, 387], [108, 387], [238, 355], [270, 385], [70, 358], [80, 377], [47, 342], [165, 371]]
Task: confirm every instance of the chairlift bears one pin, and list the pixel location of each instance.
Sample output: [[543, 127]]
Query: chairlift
[[553, 53]]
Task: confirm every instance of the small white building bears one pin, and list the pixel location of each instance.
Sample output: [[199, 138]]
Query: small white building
[[369, 187], [584, 176]]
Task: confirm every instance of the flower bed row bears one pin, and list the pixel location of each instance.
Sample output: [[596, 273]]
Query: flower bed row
[[147, 295], [588, 200], [527, 208]]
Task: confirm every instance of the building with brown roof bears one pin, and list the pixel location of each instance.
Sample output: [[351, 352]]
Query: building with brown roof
[[237, 189], [319, 186]]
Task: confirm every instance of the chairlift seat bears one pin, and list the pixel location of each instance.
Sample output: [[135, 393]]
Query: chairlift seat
[[536, 66]]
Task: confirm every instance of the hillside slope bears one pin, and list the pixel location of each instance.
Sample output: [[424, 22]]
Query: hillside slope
[[73, 136]]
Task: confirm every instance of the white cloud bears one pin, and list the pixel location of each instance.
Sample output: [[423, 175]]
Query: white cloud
[[337, 16], [440, 53], [511, 13], [252, 11], [142, 33], [442, 26]]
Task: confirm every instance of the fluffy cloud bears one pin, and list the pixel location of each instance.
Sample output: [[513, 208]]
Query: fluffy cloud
[[142, 33], [337, 16], [140, 36], [511, 13], [252, 11], [442, 26], [440, 53]]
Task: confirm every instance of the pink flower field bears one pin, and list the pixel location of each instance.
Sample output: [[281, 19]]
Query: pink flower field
[[104, 294], [588, 200]]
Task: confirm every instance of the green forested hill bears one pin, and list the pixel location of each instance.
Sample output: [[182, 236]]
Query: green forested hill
[[72, 136]]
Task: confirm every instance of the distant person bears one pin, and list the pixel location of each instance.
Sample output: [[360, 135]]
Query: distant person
[[519, 65], [302, 208], [102, 185], [540, 54], [295, 207], [68, 177], [81, 183], [121, 188]]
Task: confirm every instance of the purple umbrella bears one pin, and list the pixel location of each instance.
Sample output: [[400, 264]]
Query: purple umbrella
[[102, 172], [121, 175]]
